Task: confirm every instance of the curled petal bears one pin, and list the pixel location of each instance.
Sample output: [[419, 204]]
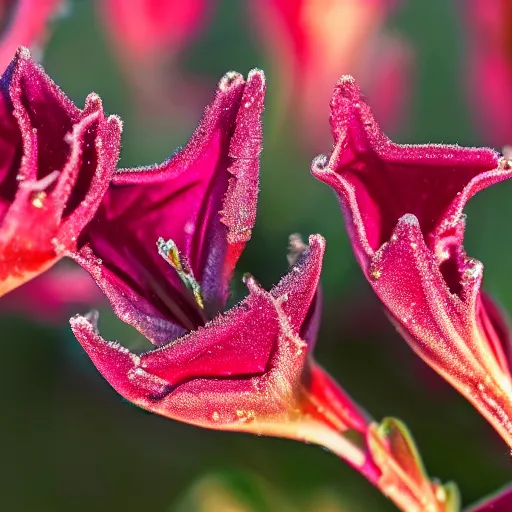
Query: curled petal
[[403, 209], [379, 181], [201, 203], [246, 370], [56, 168]]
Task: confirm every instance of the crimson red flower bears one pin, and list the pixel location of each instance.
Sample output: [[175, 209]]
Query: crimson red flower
[[199, 206], [24, 22], [252, 370], [403, 210], [55, 166], [312, 42]]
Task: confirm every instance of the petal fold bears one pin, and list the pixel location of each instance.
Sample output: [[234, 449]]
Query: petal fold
[[403, 207], [57, 164], [201, 202]]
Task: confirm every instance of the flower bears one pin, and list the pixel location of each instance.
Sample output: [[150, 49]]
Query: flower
[[247, 370], [199, 206], [311, 43], [252, 370], [403, 210], [25, 24], [56, 164], [490, 67]]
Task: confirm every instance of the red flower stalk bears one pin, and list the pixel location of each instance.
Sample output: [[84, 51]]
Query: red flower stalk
[[490, 67], [199, 207], [55, 166], [311, 43], [403, 210], [25, 23]]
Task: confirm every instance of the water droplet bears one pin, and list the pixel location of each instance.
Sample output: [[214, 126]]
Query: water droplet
[[38, 199]]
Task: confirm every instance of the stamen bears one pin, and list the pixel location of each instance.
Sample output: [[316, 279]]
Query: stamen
[[170, 252]]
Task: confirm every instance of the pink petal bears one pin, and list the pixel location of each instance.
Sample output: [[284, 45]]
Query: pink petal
[[58, 163], [403, 210], [203, 198], [221, 375], [379, 181]]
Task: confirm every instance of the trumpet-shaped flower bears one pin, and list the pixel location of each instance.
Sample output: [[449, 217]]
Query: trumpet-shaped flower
[[403, 210], [199, 207], [249, 369], [55, 166], [252, 370]]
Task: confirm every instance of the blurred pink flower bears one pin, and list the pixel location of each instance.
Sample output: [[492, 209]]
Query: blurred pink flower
[[311, 43], [54, 295], [55, 166], [490, 67], [148, 37], [403, 209], [24, 23]]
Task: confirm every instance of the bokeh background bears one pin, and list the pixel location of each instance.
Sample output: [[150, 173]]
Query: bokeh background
[[69, 442]]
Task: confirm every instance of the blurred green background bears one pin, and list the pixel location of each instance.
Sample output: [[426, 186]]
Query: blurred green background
[[69, 442]]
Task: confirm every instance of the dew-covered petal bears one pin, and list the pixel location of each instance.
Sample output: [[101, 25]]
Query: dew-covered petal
[[59, 162], [379, 181], [444, 327], [203, 199]]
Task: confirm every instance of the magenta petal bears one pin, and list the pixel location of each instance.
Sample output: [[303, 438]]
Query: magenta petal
[[211, 374], [203, 199], [378, 181], [57, 161], [403, 210], [500, 502], [451, 332], [304, 302]]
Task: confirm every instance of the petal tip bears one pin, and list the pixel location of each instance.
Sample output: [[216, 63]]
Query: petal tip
[[319, 164], [230, 80], [409, 219]]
